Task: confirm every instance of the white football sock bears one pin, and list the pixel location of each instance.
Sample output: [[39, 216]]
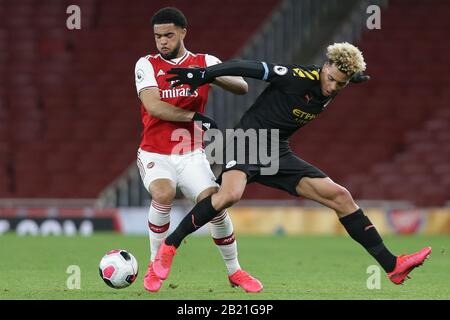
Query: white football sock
[[158, 225], [221, 229]]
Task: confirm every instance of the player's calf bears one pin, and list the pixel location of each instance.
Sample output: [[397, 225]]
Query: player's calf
[[361, 229], [201, 214]]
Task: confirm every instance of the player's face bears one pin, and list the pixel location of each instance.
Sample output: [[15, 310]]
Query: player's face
[[169, 40], [332, 80]]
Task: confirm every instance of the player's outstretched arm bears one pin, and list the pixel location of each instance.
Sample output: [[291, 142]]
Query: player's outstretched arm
[[236, 85], [196, 77]]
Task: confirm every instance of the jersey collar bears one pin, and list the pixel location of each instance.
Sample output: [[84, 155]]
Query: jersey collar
[[179, 60]]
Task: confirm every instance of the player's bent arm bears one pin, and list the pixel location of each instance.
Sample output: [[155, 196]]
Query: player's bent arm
[[236, 85], [165, 111]]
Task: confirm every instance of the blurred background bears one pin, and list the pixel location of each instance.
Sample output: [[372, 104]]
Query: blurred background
[[70, 118]]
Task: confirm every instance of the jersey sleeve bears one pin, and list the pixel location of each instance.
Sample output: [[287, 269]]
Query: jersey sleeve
[[211, 60], [144, 75], [291, 78]]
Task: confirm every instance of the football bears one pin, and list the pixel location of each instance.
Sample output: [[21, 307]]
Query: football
[[118, 268]]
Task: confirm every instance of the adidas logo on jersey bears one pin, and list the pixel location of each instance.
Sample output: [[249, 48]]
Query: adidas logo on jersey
[[160, 73]]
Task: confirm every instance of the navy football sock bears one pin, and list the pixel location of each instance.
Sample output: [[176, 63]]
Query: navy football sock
[[201, 214], [364, 232]]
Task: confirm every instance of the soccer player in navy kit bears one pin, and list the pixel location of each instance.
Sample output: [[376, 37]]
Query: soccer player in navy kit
[[296, 95]]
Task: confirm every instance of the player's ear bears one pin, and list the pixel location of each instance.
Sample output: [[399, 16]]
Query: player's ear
[[183, 33], [325, 68]]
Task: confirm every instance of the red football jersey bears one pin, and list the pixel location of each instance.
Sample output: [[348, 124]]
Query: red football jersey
[[168, 137]]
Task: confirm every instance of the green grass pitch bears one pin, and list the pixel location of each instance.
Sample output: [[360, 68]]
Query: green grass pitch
[[303, 267]]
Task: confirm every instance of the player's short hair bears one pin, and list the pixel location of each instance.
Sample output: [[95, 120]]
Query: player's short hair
[[347, 58], [169, 15]]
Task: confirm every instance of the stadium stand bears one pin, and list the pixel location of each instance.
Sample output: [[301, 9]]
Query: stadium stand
[[69, 116], [388, 139]]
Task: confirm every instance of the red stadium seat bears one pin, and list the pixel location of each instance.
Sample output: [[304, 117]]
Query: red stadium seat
[[75, 126], [404, 139], [61, 107]]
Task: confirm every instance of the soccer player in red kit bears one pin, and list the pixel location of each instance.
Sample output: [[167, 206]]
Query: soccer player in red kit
[[171, 152]]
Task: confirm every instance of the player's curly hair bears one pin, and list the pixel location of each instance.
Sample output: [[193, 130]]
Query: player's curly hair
[[347, 58], [170, 15]]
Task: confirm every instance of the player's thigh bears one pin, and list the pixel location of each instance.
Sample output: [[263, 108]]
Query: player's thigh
[[195, 178], [157, 174]]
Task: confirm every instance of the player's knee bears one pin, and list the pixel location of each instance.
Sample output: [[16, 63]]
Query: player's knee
[[207, 193], [341, 194], [233, 197], [342, 197], [226, 199], [163, 195]]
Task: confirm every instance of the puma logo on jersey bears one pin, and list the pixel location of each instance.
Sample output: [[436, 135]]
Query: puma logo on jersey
[[193, 223], [207, 125], [160, 73]]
